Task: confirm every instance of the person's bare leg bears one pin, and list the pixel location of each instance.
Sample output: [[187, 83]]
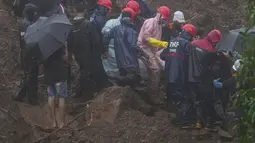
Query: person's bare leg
[[51, 102], [61, 112]]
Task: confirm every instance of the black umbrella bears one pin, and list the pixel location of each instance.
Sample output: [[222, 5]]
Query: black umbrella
[[47, 35], [234, 40]]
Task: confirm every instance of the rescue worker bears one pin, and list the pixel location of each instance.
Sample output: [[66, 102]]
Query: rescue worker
[[114, 22], [75, 45], [112, 71], [176, 67], [143, 12], [98, 18], [152, 29], [175, 28], [146, 12], [218, 65], [84, 43], [28, 84], [201, 89], [125, 39], [229, 84], [210, 41]]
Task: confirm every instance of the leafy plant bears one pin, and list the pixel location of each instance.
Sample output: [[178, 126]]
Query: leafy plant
[[245, 99]]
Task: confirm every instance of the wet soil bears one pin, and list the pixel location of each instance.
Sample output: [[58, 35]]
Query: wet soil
[[131, 125]]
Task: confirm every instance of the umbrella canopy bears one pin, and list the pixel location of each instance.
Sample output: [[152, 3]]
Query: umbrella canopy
[[234, 40], [47, 35]]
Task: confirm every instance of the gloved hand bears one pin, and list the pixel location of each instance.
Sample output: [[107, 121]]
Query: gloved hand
[[164, 44], [217, 84], [157, 43]]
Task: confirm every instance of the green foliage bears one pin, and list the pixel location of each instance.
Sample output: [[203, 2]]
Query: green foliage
[[245, 100]]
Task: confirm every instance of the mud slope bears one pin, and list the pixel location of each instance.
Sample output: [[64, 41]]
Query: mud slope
[[209, 14], [131, 126]]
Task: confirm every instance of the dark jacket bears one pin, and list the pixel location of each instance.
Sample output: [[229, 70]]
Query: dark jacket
[[98, 18], [86, 49], [230, 83], [75, 40], [29, 18], [175, 57], [170, 31], [125, 38], [198, 63], [146, 12], [18, 7], [55, 68], [45, 5]]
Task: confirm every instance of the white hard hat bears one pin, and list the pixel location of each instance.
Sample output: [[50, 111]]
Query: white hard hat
[[236, 65], [179, 17]]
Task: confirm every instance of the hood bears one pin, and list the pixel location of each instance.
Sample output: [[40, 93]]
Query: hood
[[101, 10], [214, 36], [186, 35], [157, 17], [119, 18], [30, 11], [127, 21]]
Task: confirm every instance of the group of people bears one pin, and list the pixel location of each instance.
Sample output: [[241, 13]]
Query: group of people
[[194, 71]]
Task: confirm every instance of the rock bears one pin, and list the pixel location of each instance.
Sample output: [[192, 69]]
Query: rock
[[64, 139], [214, 1], [38, 117], [224, 135], [110, 102], [201, 134]]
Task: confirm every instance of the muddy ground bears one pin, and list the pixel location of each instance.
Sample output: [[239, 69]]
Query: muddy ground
[[130, 125]]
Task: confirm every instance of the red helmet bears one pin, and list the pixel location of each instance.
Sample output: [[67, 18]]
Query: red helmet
[[106, 3], [165, 12], [131, 11], [214, 36], [191, 29], [134, 5]]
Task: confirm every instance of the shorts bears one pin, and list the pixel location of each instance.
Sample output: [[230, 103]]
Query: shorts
[[58, 89]]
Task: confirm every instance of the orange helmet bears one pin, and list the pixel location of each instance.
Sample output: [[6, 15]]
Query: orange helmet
[[165, 12], [191, 29], [105, 3], [134, 5], [131, 11]]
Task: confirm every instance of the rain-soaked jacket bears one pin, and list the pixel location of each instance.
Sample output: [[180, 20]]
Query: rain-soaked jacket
[[146, 12], [175, 57], [98, 18], [110, 24], [206, 43], [171, 31], [125, 38], [110, 65], [200, 54], [150, 29]]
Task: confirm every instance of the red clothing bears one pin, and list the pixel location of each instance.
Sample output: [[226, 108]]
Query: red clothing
[[212, 38]]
